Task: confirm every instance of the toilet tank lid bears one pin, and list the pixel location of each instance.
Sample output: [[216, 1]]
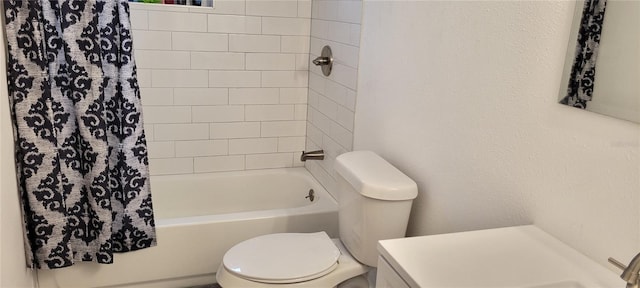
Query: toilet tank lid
[[374, 177]]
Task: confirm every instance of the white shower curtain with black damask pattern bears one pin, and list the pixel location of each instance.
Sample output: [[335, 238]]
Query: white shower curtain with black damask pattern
[[583, 71], [81, 152]]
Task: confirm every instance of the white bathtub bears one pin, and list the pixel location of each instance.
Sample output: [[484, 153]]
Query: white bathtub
[[199, 217]]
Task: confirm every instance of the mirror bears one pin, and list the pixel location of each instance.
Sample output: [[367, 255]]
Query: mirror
[[615, 89]]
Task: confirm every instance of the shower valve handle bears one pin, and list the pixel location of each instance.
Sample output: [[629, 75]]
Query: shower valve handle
[[321, 61], [325, 61]]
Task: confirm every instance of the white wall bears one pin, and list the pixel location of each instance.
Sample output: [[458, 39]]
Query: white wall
[[223, 89], [462, 96], [13, 271], [332, 99]]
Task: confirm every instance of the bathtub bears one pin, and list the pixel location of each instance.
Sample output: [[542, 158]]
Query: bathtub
[[199, 217]]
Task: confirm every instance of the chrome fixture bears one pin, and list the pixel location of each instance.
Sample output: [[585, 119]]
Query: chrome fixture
[[631, 272], [311, 196], [312, 155], [325, 61]]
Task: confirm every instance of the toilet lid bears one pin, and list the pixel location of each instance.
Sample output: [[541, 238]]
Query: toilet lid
[[283, 257]]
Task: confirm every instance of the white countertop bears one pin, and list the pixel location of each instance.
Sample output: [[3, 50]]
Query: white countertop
[[522, 256]]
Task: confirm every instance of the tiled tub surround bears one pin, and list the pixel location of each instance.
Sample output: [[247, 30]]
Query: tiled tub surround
[[223, 89], [332, 99]]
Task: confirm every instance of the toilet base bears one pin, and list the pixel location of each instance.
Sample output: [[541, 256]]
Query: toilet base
[[348, 267], [356, 282]]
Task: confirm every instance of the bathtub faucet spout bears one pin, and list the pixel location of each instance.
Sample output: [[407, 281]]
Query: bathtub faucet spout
[[312, 155]]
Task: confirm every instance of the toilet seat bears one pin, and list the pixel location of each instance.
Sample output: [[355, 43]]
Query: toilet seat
[[347, 268], [283, 258]]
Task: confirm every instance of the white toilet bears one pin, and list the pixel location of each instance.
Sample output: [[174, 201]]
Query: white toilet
[[374, 199]]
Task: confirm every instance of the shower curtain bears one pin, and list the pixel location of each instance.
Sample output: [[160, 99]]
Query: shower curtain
[[583, 71], [81, 153]]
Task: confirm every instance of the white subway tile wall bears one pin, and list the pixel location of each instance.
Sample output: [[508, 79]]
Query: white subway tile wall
[[223, 89], [332, 100]]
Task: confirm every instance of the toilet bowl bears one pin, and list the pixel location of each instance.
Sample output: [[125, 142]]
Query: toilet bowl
[[374, 203]]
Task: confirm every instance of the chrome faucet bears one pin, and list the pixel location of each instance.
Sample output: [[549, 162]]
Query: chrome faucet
[[312, 155], [630, 273]]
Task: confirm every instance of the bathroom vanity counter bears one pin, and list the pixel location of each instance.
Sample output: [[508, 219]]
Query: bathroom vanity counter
[[522, 256]]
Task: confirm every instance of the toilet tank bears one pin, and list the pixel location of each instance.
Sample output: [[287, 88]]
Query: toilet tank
[[375, 201]]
